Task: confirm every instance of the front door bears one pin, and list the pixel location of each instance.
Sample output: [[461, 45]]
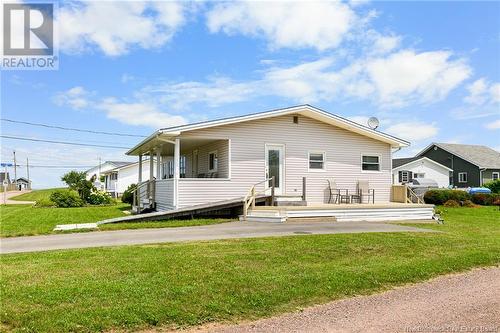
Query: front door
[[274, 166]]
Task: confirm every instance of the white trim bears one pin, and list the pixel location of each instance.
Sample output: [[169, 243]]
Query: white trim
[[466, 177], [229, 157], [379, 163], [216, 161], [420, 159], [323, 169]]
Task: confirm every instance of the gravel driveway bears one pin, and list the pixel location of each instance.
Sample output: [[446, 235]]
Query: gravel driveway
[[468, 302]]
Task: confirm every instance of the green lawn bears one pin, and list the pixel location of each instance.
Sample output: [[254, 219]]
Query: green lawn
[[182, 284], [162, 224], [25, 220], [35, 195]]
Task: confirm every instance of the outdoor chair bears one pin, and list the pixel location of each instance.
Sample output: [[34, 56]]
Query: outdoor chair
[[333, 191], [364, 191]]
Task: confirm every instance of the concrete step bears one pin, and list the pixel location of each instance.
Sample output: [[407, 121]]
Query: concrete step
[[264, 218], [311, 219]]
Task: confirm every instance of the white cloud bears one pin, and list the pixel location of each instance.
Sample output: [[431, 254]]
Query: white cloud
[[76, 98], [483, 92], [299, 24], [413, 131], [84, 26], [138, 113], [494, 125]]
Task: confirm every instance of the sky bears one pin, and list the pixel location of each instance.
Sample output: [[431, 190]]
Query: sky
[[430, 71]]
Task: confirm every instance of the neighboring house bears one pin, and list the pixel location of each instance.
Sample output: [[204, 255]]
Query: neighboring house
[[23, 184], [404, 170], [103, 167], [221, 159], [117, 180], [472, 165], [4, 176]]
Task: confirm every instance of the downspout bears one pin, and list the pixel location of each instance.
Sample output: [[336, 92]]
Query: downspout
[[481, 176]]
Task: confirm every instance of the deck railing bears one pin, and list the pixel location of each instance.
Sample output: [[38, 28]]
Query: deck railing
[[145, 190], [249, 199], [402, 193]]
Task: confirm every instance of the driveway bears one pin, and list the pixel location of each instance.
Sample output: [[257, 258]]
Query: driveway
[[467, 302], [11, 194], [209, 232]]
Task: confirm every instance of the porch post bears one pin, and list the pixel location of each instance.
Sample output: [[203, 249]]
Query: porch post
[[151, 165], [177, 158], [158, 164], [139, 180]]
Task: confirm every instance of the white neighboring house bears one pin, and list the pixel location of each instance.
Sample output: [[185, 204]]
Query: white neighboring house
[[99, 170], [117, 180], [23, 184], [404, 170]]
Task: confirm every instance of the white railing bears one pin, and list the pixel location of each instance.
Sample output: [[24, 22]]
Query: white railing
[[249, 199]]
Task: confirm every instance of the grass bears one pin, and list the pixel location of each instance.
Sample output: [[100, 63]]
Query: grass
[[35, 195], [162, 224], [25, 220], [182, 284]]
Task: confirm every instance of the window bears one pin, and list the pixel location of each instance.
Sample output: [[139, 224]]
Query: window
[[462, 177], [212, 161], [495, 175], [182, 166], [370, 163], [405, 176], [419, 175], [316, 161]]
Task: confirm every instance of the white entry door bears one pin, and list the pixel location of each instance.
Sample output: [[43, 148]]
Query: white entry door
[[274, 166]]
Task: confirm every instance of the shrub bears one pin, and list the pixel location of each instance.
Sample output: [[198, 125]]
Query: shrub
[[44, 202], [493, 185], [128, 195], [99, 198], [468, 203], [77, 181], [451, 203], [439, 197], [66, 198], [485, 199]]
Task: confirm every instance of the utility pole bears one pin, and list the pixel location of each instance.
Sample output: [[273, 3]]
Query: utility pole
[[28, 172], [15, 169]]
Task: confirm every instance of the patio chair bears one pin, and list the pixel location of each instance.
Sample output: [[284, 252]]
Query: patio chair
[[333, 191], [364, 191]]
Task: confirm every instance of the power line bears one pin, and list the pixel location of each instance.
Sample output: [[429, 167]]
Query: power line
[[31, 166], [60, 142], [71, 129]]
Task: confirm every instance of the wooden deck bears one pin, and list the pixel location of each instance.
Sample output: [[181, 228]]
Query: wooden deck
[[345, 206]]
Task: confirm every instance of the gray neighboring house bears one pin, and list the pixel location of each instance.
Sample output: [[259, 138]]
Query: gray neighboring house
[[4, 176], [473, 165]]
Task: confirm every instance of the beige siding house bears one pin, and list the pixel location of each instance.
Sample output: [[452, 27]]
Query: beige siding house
[[220, 160]]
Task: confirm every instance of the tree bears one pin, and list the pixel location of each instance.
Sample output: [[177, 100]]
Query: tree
[[77, 181]]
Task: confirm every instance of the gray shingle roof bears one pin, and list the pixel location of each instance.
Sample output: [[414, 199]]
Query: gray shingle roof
[[397, 162], [482, 156]]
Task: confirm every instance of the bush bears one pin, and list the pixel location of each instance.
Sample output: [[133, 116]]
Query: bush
[[439, 197], [44, 202], [128, 195], [493, 185], [99, 198], [485, 199], [451, 203], [66, 198], [468, 203], [77, 181]]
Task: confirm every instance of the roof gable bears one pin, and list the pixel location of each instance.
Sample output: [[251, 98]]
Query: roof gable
[[482, 156], [399, 163]]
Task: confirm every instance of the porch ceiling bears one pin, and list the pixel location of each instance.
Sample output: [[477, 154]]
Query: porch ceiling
[[167, 147]]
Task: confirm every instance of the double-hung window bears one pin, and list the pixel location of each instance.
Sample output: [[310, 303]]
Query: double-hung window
[[370, 163], [495, 175], [212, 161], [462, 177], [316, 161]]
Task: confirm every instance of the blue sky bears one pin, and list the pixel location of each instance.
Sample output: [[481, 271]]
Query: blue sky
[[430, 71]]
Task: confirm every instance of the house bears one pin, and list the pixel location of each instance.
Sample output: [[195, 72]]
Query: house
[[404, 170], [103, 167], [222, 159], [4, 176], [117, 180], [23, 184], [472, 165]]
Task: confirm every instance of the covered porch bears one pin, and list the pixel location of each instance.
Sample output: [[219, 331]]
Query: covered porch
[[198, 162]]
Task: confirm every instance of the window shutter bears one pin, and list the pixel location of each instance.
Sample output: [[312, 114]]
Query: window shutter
[[400, 176], [410, 176]]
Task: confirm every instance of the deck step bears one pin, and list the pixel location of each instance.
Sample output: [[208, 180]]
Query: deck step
[[311, 219], [264, 218], [289, 200]]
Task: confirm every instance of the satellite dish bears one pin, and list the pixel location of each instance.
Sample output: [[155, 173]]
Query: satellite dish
[[373, 123]]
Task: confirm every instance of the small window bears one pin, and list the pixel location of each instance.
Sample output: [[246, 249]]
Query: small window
[[370, 163], [419, 175], [495, 175], [405, 176], [182, 166], [462, 177], [212, 161], [316, 161]]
